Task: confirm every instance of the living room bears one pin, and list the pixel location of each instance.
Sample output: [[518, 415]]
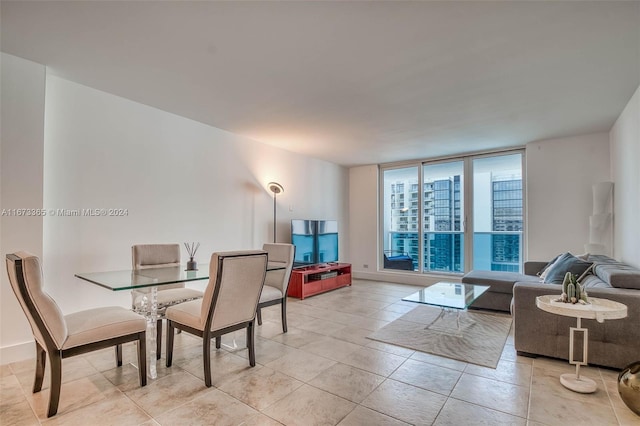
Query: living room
[[78, 136]]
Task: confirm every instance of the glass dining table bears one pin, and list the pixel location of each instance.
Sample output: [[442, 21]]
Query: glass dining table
[[152, 278]]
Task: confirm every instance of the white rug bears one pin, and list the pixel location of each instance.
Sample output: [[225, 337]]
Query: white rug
[[470, 336]]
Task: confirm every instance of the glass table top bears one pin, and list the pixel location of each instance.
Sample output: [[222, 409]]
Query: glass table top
[[130, 279], [448, 295]]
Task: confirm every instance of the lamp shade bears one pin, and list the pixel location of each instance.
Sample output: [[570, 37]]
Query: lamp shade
[[275, 187]]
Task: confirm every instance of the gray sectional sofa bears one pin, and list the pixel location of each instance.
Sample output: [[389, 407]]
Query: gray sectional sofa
[[614, 343]]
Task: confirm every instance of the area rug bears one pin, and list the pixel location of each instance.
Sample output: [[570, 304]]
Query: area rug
[[469, 336]]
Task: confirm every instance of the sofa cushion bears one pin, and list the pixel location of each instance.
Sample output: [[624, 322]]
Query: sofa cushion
[[499, 282], [593, 281], [566, 263], [619, 275]]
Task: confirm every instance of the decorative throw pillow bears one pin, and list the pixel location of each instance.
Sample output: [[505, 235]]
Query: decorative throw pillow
[[583, 256], [587, 272], [543, 273], [566, 263]]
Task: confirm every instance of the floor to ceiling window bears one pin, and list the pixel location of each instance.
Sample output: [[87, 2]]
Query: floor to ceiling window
[[443, 224], [424, 216], [497, 213], [400, 219]]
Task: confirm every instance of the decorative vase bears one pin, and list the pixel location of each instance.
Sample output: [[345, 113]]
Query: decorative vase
[[629, 386], [192, 265]]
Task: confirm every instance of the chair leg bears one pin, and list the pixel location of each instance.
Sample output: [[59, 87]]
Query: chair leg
[[259, 312], [206, 356], [142, 358], [169, 354], [218, 342], [41, 362], [119, 355], [55, 361], [159, 339], [284, 314], [250, 344]]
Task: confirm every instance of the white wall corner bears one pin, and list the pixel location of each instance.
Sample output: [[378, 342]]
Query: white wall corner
[[21, 182]]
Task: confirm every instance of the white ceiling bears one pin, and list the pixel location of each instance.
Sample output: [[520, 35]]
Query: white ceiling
[[350, 82]]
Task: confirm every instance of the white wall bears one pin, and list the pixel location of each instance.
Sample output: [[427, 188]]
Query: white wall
[[363, 218], [560, 175], [625, 173], [22, 95], [180, 181]]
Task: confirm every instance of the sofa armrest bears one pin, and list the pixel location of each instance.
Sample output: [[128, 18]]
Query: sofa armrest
[[532, 267]]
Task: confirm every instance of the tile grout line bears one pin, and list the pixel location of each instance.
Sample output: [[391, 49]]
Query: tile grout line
[[606, 389], [24, 395], [530, 393], [377, 411]]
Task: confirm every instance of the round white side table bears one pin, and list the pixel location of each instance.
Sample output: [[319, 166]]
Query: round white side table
[[598, 309]]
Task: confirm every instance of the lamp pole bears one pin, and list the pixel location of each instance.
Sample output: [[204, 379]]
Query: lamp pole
[[276, 188], [274, 217]]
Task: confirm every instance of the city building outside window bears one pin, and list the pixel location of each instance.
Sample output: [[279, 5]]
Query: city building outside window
[[437, 207]]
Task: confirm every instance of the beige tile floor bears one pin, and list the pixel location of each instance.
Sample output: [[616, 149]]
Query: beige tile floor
[[324, 371]]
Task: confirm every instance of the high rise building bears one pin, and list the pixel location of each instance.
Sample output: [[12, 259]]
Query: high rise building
[[507, 217], [442, 223], [443, 249]]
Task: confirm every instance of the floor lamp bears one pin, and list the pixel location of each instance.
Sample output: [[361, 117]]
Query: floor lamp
[[276, 188]]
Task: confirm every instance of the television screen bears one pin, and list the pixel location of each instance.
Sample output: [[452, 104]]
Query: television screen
[[303, 237], [327, 241], [316, 241]]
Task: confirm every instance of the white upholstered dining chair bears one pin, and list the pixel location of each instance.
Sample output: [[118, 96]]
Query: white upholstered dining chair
[[144, 256], [61, 336], [276, 282], [229, 304]]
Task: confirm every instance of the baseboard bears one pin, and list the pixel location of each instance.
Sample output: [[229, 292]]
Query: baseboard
[[404, 277], [19, 352]]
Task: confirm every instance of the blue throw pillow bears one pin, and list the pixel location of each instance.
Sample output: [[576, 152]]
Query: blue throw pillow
[[566, 263], [541, 273]]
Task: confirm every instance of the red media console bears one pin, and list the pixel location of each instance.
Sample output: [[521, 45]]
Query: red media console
[[317, 279]]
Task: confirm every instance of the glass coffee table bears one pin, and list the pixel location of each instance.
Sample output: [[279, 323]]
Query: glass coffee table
[[452, 298]]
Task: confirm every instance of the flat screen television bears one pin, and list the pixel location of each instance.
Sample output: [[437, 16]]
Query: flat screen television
[[316, 241]]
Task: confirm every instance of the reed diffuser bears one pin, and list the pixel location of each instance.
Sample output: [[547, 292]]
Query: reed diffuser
[[192, 248]]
